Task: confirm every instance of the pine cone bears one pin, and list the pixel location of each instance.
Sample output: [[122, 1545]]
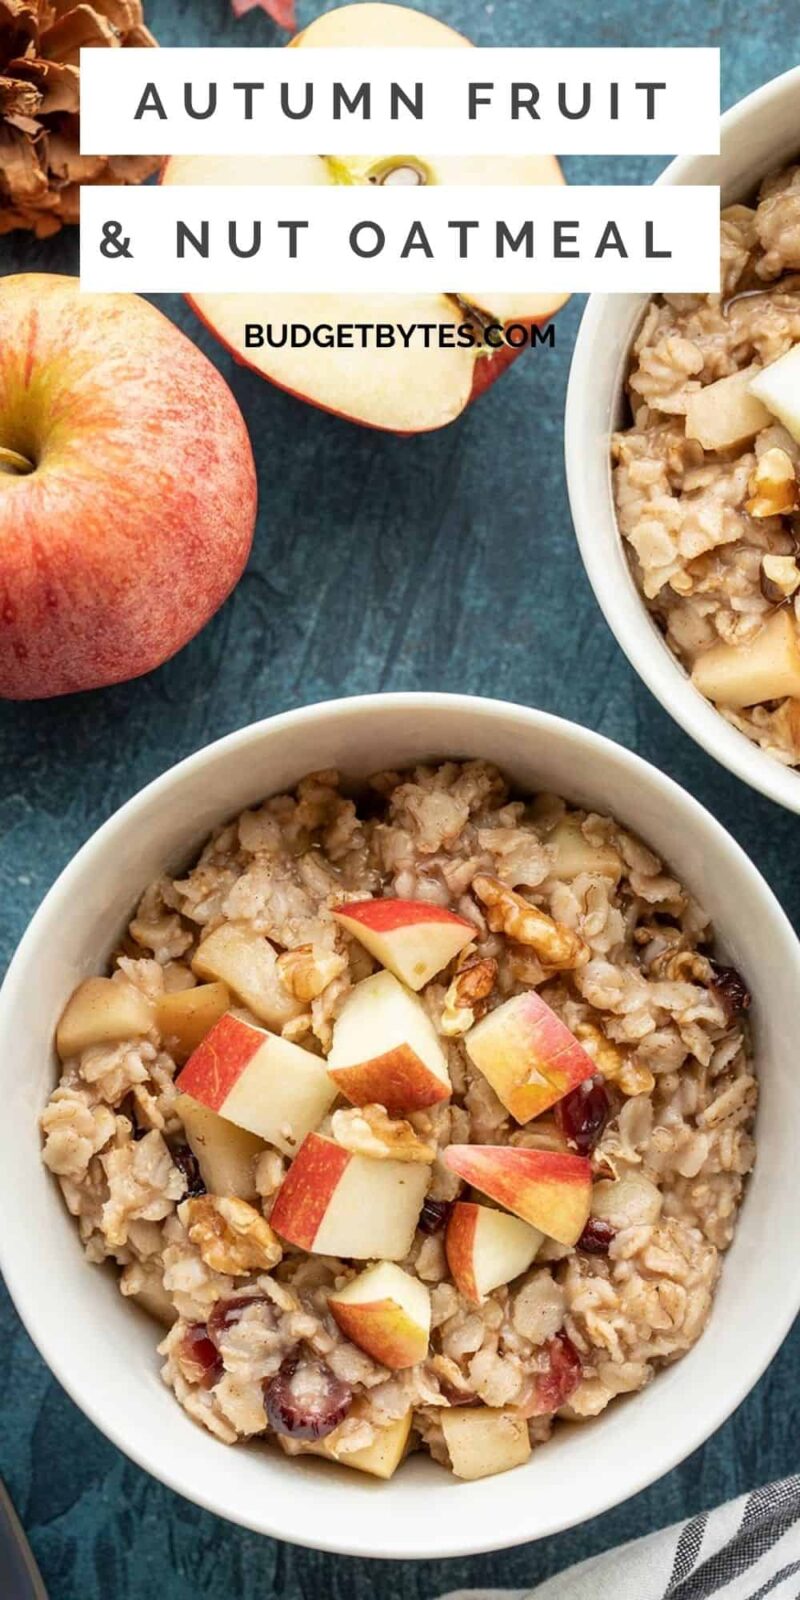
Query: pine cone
[[41, 168]]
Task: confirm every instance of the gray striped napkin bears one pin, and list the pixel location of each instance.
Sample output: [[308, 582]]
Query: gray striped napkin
[[746, 1550]]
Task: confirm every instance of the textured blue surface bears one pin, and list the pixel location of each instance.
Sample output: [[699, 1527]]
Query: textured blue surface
[[444, 562]]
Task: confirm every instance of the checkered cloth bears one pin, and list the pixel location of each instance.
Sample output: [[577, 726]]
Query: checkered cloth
[[746, 1550]]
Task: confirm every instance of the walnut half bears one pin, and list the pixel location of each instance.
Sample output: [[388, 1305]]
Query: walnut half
[[370, 1131], [558, 947], [614, 1062], [308, 970], [231, 1235], [467, 999]]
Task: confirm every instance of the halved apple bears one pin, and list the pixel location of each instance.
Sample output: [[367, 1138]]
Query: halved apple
[[246, 961], [336, 1203], [385, 1049], [405, 390], [410, 938], [387, 1313], [486, 1248], [550, 1189], [102, 1011], [481, 1441], [528, 1055], [226, 1154], [185, 1016], [261, 1082]]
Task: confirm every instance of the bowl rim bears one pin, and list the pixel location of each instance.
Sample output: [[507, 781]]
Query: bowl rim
[[622, 606], [452, 1537]]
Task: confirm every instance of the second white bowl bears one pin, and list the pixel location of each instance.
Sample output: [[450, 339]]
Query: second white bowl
[[759, 134]]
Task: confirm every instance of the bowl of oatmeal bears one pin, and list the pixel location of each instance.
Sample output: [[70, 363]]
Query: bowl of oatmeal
[[683, 460], [401, 1095]]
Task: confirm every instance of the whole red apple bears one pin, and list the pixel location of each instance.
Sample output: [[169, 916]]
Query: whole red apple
[[127, 488]]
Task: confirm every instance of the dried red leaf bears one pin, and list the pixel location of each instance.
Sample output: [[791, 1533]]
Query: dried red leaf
[[281, 11]]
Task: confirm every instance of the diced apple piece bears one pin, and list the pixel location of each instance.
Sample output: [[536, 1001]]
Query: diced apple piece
[[226, 1155], [410, 938], [573, 853], [486, 1248], [387, 1313], [726, 413], [243, 959], [386, 1050], [389, 26], [768, 668], [380, 1459], [482, 1442], [552, 1190], [259, 1081], [528, 1055], [336, 1203], [185, 1016], [778, 388], [102, 1011]]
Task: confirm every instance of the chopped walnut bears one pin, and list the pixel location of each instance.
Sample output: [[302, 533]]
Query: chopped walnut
[[772, 485], [298, 1028], [370, 1131], [557, 946], [681, 966], [308, 970], [467, 998], [779, 578], [231, 1235], [615, 1063]]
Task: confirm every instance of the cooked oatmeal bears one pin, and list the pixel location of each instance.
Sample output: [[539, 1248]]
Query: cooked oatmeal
[[706, 478], [547, 944]]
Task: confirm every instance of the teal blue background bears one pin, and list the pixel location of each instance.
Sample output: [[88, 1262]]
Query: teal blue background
[[443, 562]]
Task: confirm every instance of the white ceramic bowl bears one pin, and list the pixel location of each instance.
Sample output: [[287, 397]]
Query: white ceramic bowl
[[103, 1350], [758, 135]]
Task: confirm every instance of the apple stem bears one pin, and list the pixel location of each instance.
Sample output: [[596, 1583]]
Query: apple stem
[[12, 462]]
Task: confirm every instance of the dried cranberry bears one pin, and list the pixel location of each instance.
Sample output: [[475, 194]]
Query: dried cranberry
[[731, 990], [305, 1400], [226, 1314], [199, 1358], [454, 1396], [583, 1114], [186, 1162], [554, 1387], [434, 1215], [596, 1237]]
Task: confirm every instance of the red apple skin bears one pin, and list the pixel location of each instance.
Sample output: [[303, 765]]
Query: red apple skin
[[552, 1179], [380, 1328], [218, 1063], [383, 915], [138, 519], [305, 1193], [397, 1080]]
